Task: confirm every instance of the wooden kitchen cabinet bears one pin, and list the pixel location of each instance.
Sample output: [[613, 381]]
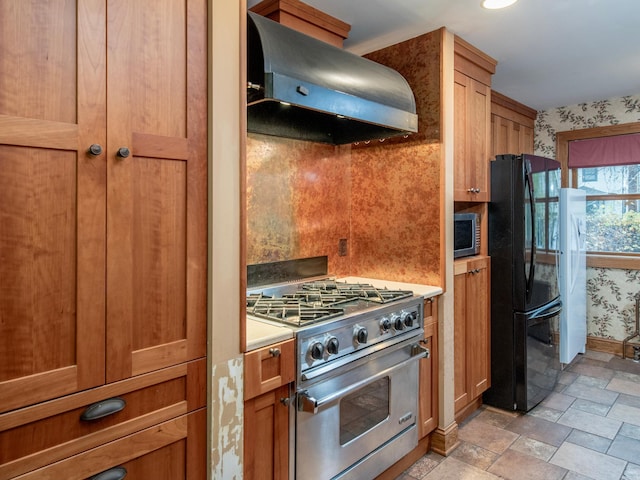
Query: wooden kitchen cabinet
[[428, 388], [472, 347], [512, 126], [269, 373], [266, 437], [103, 194], [170, 450], [472, 122], [268, 368], [34, 437]]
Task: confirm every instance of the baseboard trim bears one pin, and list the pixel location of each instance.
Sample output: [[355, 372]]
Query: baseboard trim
[[604, 345], [464, 412], [444, 441]]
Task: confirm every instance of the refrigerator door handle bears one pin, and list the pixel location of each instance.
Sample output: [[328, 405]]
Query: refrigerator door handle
[[532, 207], [545, 312]]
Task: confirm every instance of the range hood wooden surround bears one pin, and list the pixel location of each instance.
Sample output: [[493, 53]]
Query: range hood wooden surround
[[306, 19]]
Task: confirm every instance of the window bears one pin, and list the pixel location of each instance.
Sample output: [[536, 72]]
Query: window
[[605, 163], [613, 208]]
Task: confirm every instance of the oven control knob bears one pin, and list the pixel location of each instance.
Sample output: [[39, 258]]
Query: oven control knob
[[316, 350], [398, 324], [332, 345], [408, 319], [385, 325], [360, 335]]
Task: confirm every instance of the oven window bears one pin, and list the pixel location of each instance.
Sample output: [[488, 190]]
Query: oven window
[[364, 409]]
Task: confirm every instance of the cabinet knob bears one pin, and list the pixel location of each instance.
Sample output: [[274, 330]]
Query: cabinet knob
[[473, 190], [95, 149], [286, 401], [274, 352], [123, 152]]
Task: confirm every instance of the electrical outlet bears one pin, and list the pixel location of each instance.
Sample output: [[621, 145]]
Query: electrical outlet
[[342, 247]]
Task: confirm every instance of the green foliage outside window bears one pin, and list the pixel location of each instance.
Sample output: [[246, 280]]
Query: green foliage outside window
[[613, 232]]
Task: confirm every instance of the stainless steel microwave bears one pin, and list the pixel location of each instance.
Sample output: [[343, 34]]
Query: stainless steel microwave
[[466, 234]]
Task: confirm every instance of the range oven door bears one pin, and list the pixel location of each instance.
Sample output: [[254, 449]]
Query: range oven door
[[362, 419]]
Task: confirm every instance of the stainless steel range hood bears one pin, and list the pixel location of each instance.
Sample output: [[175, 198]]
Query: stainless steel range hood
[[303, 88]]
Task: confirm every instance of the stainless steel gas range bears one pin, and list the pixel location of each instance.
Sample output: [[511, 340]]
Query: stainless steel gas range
[[356, 390]]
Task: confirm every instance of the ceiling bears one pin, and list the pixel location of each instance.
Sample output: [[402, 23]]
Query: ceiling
[[550, 53]]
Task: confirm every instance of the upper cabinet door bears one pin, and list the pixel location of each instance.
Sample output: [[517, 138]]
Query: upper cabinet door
[[157, 184], [472, 133], [52, 197]]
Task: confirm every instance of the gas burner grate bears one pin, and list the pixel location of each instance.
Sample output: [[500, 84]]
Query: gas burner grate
[[289, 310], [349, 291]]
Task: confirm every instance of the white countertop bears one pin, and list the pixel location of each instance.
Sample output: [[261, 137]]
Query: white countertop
[[260, 334]]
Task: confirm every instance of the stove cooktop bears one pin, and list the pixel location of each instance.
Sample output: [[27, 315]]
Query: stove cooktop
[[319, 300]]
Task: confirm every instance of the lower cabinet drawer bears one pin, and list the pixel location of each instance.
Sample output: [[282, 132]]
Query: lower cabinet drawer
[[172, 450], [268, 368], [46, 433]]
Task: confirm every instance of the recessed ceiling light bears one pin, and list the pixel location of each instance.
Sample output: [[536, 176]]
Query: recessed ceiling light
[[495, 4]]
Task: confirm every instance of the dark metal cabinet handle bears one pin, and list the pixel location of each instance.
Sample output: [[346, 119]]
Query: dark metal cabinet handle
[[274, 352], [116, 473], [123, 152], [286, 401], [102, 409], [95, 149]]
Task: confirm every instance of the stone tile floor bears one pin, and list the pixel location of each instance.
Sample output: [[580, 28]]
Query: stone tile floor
[[588, 429]]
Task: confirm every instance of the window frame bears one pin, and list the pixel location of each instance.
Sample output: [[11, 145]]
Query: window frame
[[568, 178]]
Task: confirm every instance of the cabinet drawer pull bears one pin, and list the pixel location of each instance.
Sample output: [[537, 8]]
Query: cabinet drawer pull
[[102, 409], [116, 473], [274, 352]]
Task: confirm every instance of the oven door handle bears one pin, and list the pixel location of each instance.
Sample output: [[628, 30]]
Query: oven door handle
[[309, 404]]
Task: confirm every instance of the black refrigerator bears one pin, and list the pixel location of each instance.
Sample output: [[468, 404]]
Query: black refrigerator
[[525, 301]]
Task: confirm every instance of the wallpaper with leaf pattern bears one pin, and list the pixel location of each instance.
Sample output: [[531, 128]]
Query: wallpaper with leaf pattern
[[610, 292]]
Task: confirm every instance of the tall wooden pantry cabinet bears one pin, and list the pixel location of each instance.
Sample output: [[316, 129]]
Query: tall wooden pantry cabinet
[[103, 210]]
